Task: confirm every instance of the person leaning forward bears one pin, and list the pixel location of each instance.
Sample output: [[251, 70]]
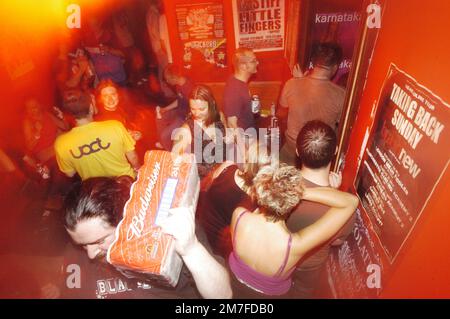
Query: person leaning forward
[[93, 149]]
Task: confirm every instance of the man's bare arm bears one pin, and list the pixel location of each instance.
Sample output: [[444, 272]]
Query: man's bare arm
[[133, 158]]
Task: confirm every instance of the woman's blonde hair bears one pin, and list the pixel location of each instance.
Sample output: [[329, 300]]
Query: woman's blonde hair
[[277, 191]]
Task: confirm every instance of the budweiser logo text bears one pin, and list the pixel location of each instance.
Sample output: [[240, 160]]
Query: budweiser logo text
[[137, 223]]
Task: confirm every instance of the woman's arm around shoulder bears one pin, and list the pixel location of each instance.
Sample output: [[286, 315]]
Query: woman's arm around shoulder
[[342, 206]]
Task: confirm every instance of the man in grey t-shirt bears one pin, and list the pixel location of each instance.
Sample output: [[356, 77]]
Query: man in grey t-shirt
[[312, 97]]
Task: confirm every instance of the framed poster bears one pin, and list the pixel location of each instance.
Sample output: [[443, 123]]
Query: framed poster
[[202, 33], [259, 24], [407, 153]]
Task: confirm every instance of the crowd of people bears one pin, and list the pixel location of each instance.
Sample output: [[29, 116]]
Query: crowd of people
[[264, 225]]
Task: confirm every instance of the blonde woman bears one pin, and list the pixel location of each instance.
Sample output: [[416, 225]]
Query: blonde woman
[[264, 252]]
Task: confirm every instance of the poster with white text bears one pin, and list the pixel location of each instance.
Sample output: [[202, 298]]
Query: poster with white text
[[259, 24], [406, 156], [355, 269]]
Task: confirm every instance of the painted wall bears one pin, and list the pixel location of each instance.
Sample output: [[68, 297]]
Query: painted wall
[[414, 36], [272, 65]]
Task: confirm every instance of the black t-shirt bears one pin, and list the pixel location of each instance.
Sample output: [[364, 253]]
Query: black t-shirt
[[226, 196], [217, 206], [87, 279]]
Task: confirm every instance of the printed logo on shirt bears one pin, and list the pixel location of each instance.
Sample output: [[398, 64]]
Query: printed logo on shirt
[[110, 286], [87, 149]]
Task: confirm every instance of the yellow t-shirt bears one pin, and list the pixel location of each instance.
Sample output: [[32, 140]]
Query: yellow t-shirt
[[95, 149]]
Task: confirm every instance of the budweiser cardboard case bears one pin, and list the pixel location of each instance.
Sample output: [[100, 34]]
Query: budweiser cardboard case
[[141, 249]]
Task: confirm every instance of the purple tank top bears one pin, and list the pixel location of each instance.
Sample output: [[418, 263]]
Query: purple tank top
[[270, 285]]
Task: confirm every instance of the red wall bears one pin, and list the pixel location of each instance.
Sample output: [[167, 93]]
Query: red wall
[[272, 65], [414, 36]]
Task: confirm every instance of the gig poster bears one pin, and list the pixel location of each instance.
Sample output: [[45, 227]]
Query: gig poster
[[259, 24], [202, 33], [355, 268], [407, 153]]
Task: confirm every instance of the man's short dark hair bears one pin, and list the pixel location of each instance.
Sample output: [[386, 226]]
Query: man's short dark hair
[[77, 103], [97, 197], [327, 54], [316, 144]]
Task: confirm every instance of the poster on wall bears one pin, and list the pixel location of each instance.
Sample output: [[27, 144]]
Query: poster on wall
[[355, 268], [202, 33], [406, 156], [259, 24], [341, 28]]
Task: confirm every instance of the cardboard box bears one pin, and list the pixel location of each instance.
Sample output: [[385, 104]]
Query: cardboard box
[[141, 249]]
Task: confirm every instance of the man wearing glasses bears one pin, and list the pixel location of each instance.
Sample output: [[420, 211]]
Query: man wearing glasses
[[237, 99]]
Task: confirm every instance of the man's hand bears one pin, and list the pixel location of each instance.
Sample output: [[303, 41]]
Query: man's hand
[[181, 225], [335, 179], [159, 113], [58, 113], [133, 159], [297, 71], [210, 277], [136, 135]]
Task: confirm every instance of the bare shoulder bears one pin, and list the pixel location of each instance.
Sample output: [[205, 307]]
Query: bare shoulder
[[237, 212]]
